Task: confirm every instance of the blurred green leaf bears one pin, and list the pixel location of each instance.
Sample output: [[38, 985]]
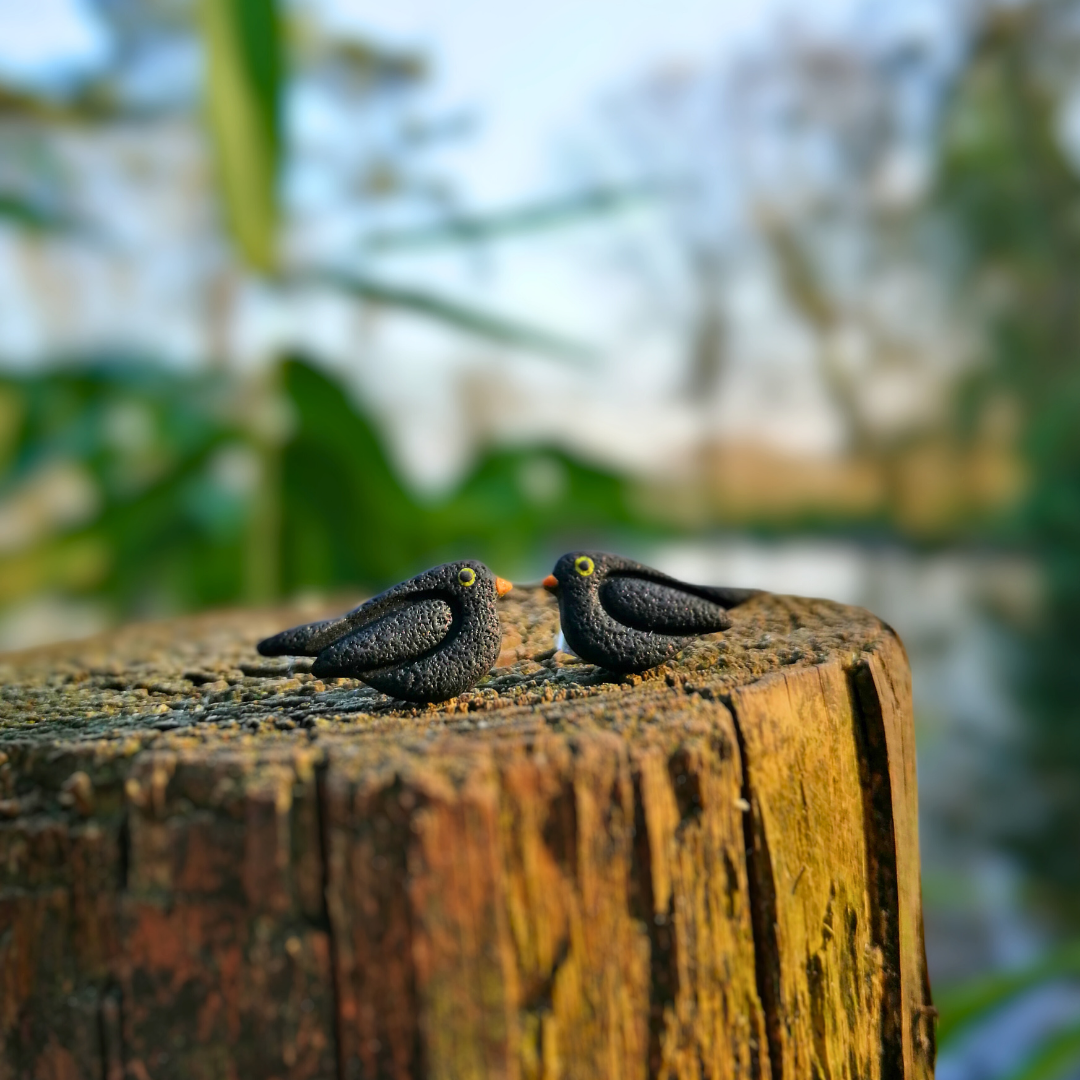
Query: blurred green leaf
[[244, 70], [348, 520], [32, 216], [148, 440], [174, 471], [1057, 1056], [454, 313], [346, 517], [536, 217], [520, 506], [970, 1002], [75, 564]]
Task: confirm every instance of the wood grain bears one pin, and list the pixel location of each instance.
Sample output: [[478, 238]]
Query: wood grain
[[216, 866]]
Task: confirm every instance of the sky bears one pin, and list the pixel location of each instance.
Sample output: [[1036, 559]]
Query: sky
[[59, 34], [534, 68]]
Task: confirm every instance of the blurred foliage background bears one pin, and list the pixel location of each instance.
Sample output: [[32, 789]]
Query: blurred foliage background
[[798, 310]]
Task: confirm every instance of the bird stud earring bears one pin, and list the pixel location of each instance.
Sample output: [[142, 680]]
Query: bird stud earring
[[626, 617], [425, 640]]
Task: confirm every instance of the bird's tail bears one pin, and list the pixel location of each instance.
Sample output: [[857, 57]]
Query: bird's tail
[[307, 640], [728, 597]]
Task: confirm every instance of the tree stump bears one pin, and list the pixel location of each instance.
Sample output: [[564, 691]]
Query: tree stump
[[213, 865]]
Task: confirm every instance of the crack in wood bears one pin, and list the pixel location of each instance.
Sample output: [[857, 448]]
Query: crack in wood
[[660, 928], [335, 989], [761, 886], [111, 1032], [880, 844]]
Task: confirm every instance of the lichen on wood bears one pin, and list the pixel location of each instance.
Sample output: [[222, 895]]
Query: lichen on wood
[[215, 865]]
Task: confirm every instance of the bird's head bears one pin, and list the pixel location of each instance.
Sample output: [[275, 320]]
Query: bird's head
[[463, 579], [579, 572]]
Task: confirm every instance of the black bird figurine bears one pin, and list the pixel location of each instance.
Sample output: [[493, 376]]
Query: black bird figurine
[[427, 639], [627, 617]]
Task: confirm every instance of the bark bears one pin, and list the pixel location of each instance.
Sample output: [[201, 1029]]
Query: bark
[[213, 865]]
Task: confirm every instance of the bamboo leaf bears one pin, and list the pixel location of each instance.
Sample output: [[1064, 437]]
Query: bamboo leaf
[[453, 313], [535, 217], [243, 88]]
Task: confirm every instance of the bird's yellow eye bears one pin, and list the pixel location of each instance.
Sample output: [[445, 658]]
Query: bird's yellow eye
[[466, 575], [584, 565]]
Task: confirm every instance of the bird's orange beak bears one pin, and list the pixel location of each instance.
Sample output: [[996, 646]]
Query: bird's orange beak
[[551, 583], [502, 586]]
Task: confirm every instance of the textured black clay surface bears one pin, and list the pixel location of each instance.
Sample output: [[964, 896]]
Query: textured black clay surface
[[627, 617], [427, 639], [409, 633]]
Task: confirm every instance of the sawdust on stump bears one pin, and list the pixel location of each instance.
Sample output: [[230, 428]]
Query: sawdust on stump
[[213, 865]]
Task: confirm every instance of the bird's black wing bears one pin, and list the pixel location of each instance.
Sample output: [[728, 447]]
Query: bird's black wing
[[311, 638], [723, 595], [401, 635], [667, 609]]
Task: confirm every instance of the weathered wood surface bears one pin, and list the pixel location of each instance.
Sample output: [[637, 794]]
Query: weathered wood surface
[[214, 866]]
